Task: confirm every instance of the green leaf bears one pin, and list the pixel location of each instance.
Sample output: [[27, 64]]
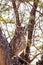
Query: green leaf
[[11, 34]]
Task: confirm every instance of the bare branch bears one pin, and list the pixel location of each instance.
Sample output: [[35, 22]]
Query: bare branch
[[35, 57], [16, 13], [30, 28]]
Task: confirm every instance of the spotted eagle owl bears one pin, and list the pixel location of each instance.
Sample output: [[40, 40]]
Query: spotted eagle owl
[[18, 43]]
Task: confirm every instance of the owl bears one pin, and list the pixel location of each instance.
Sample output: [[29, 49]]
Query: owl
[[18, 43]]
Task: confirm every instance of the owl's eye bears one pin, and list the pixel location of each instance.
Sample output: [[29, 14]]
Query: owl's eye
[[20, 32]]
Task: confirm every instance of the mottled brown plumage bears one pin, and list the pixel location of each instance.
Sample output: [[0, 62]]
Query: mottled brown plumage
[[18, 43]]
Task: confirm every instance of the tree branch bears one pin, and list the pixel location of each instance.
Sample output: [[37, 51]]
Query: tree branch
[[30, 28], [35, 57], [16, 13]]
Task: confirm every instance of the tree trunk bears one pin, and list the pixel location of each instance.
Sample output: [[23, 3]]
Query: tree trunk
[[4, 51], [2, 56], [30, 28]]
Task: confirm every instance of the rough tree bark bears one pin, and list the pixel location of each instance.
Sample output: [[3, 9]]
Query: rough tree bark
[[4, 51]]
